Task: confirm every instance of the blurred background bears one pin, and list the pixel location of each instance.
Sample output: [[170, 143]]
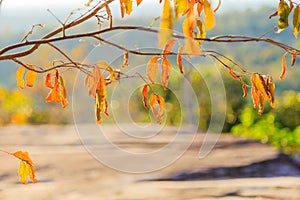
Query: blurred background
[[278, 127]]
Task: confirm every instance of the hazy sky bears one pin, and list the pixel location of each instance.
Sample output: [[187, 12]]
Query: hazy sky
[[15, 4]]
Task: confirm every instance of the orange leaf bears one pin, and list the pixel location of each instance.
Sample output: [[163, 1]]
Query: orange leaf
[[283, 60], [179, 59], [101, 104], [157, 100], [30, 76], [255, 97], [260, 85], [294, 58], [145, 95], [23, 156], [48, 81], [26, 167], [31, 172], [122, 6], [19, 75], [153, 102], [200, 8], [165, 73], [232, 74], [125, 60], [244, 90], [138, 2], [168, 47], [152, 69]]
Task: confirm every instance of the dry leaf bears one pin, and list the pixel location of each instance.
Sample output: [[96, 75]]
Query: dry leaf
[[283, 60], [152, 69], [168, 47], [30, 76], [179, 59], [165, 73], [19, 75], [145, 95]]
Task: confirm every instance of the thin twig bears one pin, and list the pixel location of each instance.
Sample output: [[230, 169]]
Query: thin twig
[[31, 31]]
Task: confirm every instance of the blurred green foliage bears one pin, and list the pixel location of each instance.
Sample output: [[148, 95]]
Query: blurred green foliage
[[18, 106], [279, 127]]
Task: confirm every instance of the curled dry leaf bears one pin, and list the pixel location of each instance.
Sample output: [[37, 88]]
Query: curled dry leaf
[[165, 72], [294, 58], [263, 88], [145, 95], [168, 47], [179, 59], [283, 60], [101, 103], [152, 69], [58, 92], [244, 90], [26, 168], [48, 81], [154, 101], [125, 59]]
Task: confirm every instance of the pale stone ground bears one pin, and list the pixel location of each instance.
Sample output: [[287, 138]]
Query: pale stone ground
[[67, 171]]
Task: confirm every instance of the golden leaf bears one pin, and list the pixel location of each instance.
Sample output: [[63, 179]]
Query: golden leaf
[[125, 59], [30, 76], [181, 7], [23, 173], [166, 24], [138, 2], [63, 92], [209, 15], [283, 12], [157, 100], [26, 167], [19, 75]]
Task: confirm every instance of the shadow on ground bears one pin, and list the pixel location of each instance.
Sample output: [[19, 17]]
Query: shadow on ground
[[282, 165]]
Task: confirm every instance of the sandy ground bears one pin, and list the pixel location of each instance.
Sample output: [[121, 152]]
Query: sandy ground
[[235, 169]]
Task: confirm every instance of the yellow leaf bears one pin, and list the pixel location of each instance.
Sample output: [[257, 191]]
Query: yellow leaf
[[271, 90], [209, 15], [181, 7], [152, 69], [30, 76], [165, 72], [166, 24], [23, 172], [283, 12], [31, 173], [296, 21], [19, 75]]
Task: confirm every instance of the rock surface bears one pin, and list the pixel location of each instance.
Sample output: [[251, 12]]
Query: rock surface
[[236, 169]]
